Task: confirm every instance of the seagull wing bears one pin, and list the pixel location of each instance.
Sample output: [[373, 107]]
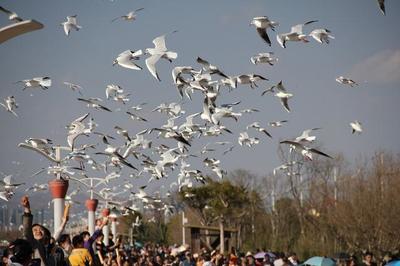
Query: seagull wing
[[104, 108], [320, 153], [150, 63], [281, 40], [294, 143], [159, 43], [299, 27], [42, 152], [381, 4], [284, 102], [263, 34], [266, 132], [8, 12], [125, 61], [203, 62], [116, 18], [71, 19]]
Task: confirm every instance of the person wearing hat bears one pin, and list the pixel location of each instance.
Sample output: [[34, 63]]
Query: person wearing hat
[[250, 261], [40, 237]]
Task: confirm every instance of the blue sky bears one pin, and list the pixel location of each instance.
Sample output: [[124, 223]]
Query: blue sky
[[366, 48]]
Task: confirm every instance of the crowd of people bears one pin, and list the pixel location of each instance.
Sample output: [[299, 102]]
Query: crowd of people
[[39, 248]]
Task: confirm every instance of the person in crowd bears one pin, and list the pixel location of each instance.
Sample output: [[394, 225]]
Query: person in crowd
[[20, 253], [368, 259], [187, 260], [79, 256], [90, 239], [207, 260], [293, 259], [40, 238], [250, 261], [64, 242]]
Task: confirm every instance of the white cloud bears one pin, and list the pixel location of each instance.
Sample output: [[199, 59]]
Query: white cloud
[[382, 67]]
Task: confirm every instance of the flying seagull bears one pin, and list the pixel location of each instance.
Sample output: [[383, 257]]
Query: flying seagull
[[262, 24], [305, 151], [70, 24], [93, 103], [74, 87], [295, 35], [346, 81], [321, 35], [262, 58], [131, 16], [356, 127], [159, 51], [277, 123], [43, 82], [10, 104], [125, 58]]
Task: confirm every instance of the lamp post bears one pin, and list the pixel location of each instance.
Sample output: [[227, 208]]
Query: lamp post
[[91, 206], [106, 230], [113, 217]]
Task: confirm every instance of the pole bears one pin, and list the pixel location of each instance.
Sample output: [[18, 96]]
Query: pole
[[58, 189], [91, 205], [221, 235], [183, 228], [106, 229], [114, 228], [335, 192], [131, 236]]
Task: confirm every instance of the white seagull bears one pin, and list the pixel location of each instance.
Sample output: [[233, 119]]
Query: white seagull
[[321, 35], [263, 58], [74, 87], [70, 24], [262, 24], [305, 151], [356, 127], [10, 105], [131, 16], [346, 81], [125, 58], [42, 82], [244, 139], [295, 35], [159, 51], [305, 136], [277, 123]]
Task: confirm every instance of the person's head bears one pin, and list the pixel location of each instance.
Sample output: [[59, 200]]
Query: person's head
[[368, 256], [207, 257], [85, 235], [77, 241], [249, 257], [352, 261], [64, 241], [21, 251], [100, 237], [40, 232]]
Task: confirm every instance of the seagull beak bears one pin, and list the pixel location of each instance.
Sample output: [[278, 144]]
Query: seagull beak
[[115, 62]]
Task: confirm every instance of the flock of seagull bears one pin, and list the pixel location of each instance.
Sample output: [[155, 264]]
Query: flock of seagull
[[163, 151]]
